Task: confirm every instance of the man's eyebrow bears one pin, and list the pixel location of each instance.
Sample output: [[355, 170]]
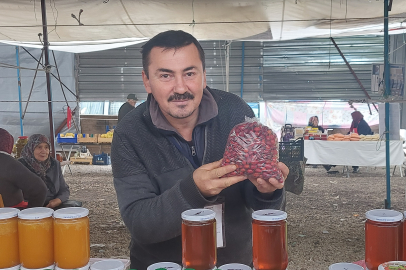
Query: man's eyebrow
[[164, 70], [189, 68]]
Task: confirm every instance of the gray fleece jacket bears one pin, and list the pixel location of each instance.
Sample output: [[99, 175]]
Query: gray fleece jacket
[[154, 184]]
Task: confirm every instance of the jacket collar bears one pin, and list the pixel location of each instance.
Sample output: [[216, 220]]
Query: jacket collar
[[207, 110]]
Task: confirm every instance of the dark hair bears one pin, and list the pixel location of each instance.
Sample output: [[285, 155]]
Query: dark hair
[[171, 39]]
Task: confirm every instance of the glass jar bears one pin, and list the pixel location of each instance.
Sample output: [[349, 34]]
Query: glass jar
[[164, 265], [36, 237], [9, 256], [199, 249], [383, 231], [269, 240], [21, 142], [71, 237]]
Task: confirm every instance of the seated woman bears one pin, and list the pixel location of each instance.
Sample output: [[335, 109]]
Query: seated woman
[[36, 157], [16, 180], [314, 122]]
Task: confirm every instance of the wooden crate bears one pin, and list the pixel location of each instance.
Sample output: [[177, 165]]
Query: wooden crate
[[88, 139], [86, 160], [103, 140]]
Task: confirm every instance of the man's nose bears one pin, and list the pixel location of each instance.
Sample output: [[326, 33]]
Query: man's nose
[[180, 85]]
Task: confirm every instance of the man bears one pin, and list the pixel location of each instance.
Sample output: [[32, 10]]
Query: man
[[16, 181], [127, 107], [166, 158]]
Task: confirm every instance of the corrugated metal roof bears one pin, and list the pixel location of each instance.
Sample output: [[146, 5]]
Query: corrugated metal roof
[[306, 69]]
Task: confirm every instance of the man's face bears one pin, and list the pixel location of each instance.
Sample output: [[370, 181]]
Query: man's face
[[132, 102], [176, 80]]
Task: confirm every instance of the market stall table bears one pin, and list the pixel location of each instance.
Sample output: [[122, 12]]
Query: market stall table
[[353, 153]]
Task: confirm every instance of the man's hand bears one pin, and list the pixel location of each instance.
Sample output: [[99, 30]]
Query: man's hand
[[54, 203], [270, 185], [208, 178]]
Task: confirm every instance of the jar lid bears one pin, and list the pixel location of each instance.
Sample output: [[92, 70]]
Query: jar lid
[[269, 215], [164, 265], [71, 213], [110, 264], [235, 266], [81, 268], [12, 268], [345, 266], [23, 137], [384, 215], [35, 213], [392, 265], [8, 212], [51, 267], [199, 214]]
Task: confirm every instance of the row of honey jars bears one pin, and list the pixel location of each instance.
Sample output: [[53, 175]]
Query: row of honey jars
[[39, 237], [269, 239]]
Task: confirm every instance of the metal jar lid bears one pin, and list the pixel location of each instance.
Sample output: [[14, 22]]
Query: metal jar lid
[[269, 215], [8, 212], [384, 215], [35, 213], [71, 213], [200, 214]]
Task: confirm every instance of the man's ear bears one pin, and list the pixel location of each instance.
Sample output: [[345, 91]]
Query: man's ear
[[204, 79], [146, 82]]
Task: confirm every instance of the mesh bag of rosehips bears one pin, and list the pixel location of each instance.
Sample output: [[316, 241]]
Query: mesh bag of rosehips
[[253, 148]]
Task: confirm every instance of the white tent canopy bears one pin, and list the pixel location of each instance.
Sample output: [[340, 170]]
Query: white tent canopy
[[109, 24]]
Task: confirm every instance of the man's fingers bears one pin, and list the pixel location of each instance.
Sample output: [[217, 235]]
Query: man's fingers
[[211, 166], [221, 171], [229, 181], [284, 169]]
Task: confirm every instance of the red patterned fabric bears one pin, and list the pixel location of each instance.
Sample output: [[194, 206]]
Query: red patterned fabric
[[69, 117], [6, 141]]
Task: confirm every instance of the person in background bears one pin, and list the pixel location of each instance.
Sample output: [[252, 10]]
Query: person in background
[[360, 126], [314, 123], [127, 107], [16, 181], [36, 157], [166, 158]]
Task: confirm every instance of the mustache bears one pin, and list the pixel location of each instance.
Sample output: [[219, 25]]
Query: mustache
[[184, 96]]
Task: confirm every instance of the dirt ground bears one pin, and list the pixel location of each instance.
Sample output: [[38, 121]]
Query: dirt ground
[[325, 222]]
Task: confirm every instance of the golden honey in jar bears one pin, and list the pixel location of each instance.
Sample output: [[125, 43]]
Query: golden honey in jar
[[269, 240], [71, 237], [383, 237], [36, 237], [199, 249], [9, 254]]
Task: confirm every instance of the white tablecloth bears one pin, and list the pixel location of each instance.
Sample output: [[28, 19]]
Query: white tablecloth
[[361, 153]]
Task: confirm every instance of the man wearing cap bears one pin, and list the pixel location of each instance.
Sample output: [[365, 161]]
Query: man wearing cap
[[127, 107]]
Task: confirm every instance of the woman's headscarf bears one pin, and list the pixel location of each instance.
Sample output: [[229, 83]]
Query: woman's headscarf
[[356, 117], [40, 167], [6, 141], [311, 121]]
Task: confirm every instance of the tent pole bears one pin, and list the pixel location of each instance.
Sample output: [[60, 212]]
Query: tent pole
[[387, 93], [19, 90], [228, 44], [242, 68], [48, 78]]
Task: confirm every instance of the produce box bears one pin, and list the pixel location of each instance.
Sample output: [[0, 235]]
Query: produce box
[[291, 151], [103, 140], [60, 139], [87, 138], [102, 159]]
